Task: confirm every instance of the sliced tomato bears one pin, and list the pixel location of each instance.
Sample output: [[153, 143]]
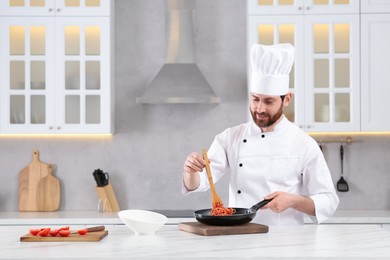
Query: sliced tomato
[[34, 231], [64, 232], [82, 231], [53, 232], [44, 232], [64, 228]]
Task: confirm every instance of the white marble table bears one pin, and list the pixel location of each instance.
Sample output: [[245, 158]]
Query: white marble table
[[296, 242]]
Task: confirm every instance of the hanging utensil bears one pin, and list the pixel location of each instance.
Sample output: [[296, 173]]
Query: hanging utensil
[[342, 185]]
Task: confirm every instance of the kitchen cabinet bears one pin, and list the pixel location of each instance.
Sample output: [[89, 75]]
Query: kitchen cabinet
[[278, 7], [386, 226], [375, 55], [55, 7], [325, 77], [56, 70], [374, 6]]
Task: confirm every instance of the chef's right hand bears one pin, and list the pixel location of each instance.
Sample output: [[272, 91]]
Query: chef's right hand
[[194, 163]]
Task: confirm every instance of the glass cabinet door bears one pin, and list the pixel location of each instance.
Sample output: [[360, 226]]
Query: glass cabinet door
[[83, 69], [27, 7], [280, 7], [83, 7], [284, 29], [270, 7], [332, 73], [27, 86], [55, 7]]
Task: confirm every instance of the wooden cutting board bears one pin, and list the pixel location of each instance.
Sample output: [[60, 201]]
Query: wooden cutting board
[[89, 237], [205, 230], [39, 190]]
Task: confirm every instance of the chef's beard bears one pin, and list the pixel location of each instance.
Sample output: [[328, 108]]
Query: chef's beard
[[269, 120]]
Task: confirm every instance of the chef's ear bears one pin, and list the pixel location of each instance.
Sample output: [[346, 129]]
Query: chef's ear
[[287, 99]]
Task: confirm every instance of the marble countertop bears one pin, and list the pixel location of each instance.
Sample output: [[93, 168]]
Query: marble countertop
[[294, 242], [175, 216]]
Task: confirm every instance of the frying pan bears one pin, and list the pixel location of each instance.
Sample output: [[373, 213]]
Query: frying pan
[[241, 216]]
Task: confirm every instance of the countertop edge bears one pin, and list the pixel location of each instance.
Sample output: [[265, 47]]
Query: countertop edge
[[174, 217]]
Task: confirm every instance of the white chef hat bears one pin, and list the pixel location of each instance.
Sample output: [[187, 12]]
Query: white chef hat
[[271, 65]]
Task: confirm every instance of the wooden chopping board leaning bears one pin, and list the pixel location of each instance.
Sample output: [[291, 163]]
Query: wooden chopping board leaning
[[39, 190]]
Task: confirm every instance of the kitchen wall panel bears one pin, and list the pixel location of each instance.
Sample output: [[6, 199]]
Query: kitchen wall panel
[[145, 156]]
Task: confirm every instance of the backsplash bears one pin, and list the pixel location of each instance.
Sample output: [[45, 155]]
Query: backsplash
[[145, 156]]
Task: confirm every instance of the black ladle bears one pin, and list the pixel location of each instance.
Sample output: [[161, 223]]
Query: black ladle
[[241, 216]]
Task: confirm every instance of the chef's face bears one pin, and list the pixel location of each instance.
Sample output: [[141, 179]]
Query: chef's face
[[266, 110]]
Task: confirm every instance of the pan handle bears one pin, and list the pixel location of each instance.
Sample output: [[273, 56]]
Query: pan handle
[[257, 206]]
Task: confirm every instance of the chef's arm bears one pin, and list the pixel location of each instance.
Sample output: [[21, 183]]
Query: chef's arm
[[304, 204], [282, 201], [191, 181], [193, 164]]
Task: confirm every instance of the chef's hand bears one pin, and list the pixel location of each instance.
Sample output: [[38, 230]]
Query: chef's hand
[[193, 164], [280, 201], [283, 200]]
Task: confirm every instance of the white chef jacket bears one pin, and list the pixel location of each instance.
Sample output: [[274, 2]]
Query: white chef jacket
[[285, 159]]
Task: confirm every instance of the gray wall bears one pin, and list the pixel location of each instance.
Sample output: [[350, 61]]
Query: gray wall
[[145, 156]]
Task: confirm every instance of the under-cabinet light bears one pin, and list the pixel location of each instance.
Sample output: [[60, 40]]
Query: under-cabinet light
[[84, 136]]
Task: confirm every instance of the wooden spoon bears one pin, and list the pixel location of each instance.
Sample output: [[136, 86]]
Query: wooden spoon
[[215, 199]]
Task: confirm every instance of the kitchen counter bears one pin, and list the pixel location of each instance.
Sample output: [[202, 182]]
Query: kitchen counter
[[108, 218], [80, 218], [294, 242]]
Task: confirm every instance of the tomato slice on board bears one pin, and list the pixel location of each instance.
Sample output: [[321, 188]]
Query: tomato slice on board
[[44, 232], [82, 231], [64, 228], [64, 232], [34, 231], [53, 232]]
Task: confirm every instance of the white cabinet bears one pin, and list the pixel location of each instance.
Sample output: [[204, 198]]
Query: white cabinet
[[325, 77], [375, 40], [374, 6], [278, 7], [56, 73], [386, 226], [55, 7]]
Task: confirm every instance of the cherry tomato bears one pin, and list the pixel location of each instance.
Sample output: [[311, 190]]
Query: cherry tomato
[[53, 232], [34, 231], [64, 232], [44, 232], [82, 231]]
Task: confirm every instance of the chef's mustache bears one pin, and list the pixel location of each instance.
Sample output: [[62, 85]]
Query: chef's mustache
[[261, 114]]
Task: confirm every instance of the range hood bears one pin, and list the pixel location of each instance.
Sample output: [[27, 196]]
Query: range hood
[[179, 81]]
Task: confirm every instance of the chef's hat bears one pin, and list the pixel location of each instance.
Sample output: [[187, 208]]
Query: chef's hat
[[271, 66]]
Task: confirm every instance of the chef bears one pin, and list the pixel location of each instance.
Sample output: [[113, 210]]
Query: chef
[[268, 157]]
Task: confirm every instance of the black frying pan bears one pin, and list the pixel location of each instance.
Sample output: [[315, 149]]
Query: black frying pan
[[241, 216]]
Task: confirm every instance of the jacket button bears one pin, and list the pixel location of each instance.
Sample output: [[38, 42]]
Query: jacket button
[[244, 140], [239, 191], [240, 165], [262, 136]]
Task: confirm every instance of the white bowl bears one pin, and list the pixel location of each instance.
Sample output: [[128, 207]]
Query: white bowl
[[142, 222]]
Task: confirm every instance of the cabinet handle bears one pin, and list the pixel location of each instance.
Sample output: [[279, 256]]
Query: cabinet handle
[[308, 8], [58, 127], [59, 10], [50, 128], [50, 9], [309, 126], [300, 8]]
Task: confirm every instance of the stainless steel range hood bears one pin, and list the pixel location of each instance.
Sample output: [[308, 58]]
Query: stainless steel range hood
[[179, 81]]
